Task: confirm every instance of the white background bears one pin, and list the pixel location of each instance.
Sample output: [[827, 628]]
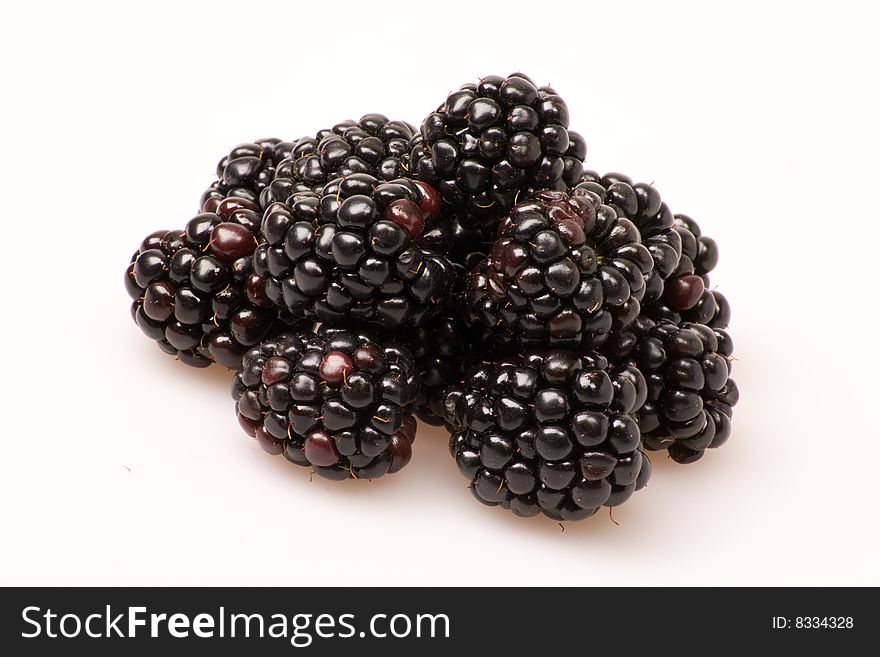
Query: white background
[[121, 466]]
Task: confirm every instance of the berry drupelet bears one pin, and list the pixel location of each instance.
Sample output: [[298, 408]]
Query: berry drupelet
[[690, 393], [195, 291], [490, 144], [564, 271], [245, 172], [549, 432], [337, 400], [373, 145], [353, 253]]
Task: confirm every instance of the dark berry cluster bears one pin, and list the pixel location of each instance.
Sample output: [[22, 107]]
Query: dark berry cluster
[[687, 297], [491, 143], [564, 270], [677, 289], [195, 291], [690, 393], [336, 400], [557, 322], [245, 172], [549, 432], [353, 253], [373, 145], [642, 205]]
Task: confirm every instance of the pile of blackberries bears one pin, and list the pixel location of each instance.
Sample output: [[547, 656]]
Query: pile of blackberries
[[471, 272]]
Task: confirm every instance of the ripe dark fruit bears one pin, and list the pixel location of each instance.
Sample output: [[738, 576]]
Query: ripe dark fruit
[[275, 370], [597, 465], [158, 303], [334, 367], [690, 395], [430, 202], [699, 255], [683, 292], [243, 174], [320, 449], [641, 204], [373, 145], [269, 443], [492, 143], [559, 323], [549, 431], [337, 400], [231, 241], [353, 254], [400, 448], [203, 303], [407, 215], [678, 248], [564, 270]]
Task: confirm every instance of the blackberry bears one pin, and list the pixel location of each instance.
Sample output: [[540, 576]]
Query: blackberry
[[677, 289], [490, 144], [712, 308], [195, 291], [245, 172], [690, 393], [353, 253], [642, 205], [549, 432], [373, 145], [564, 271], [699, 254], [688, 297], [336, 400]]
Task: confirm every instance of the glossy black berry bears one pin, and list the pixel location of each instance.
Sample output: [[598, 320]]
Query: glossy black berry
[[490, 144], [564, 270], [245, 172], [642, 205], [201, 300], [373, 145], [337, 400], [691, 396], [353, 253], [678, 288], [549, 431]]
